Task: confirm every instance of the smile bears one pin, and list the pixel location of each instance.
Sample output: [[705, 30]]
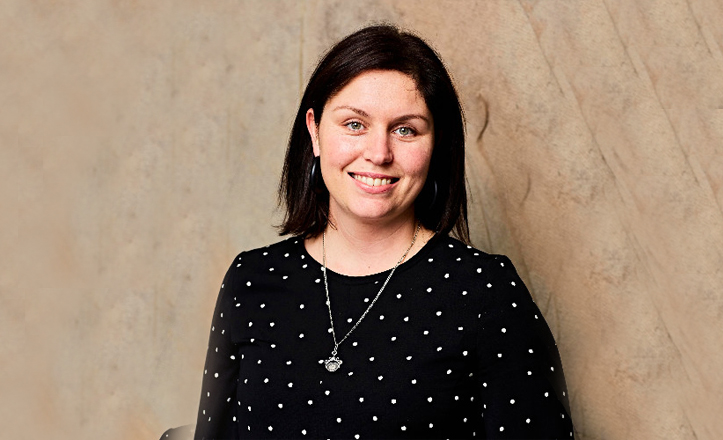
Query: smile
[[374, 181]]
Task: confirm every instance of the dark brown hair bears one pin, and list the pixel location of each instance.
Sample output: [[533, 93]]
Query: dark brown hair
[[380, 47]]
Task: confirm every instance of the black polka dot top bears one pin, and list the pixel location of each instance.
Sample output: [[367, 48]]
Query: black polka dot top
[[453, 348]]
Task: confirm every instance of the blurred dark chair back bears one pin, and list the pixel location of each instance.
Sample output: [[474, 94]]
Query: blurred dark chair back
[[181, 433]]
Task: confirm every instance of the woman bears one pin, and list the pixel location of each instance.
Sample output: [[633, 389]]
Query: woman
[[370, 321]]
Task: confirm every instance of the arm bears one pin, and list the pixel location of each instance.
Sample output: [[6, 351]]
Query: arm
[[520, 373], [217, 409]]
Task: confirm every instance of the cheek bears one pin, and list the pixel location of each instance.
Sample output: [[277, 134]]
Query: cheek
[[419, 163], [336, 150], [337, 157]]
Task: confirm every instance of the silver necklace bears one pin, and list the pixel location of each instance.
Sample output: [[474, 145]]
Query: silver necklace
[[333, 363]]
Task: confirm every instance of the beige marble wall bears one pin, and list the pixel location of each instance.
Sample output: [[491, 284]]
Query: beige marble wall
[[141, 144]]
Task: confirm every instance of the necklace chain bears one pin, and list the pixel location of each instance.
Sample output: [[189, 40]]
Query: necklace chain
[[333, 363]]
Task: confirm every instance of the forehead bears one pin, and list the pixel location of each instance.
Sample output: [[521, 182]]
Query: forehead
[[387, 90]]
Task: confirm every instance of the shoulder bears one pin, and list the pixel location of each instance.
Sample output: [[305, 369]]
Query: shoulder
[[265, 269], [466, 256], [272, 252], [490, 280], [267, 259], [284, 245]]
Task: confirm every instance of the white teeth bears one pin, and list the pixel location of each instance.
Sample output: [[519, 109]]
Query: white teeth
[[372, 181]]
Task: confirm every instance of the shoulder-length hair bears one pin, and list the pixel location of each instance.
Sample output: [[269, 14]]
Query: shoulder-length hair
[[381, 47]]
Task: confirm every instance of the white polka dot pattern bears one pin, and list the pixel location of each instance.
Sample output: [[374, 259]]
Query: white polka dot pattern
[[455, 348]]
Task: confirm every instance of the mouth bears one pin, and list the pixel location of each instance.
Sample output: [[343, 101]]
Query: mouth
[[374, 180]]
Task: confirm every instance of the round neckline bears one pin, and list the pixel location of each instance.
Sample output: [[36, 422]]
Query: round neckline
[[362, 279]]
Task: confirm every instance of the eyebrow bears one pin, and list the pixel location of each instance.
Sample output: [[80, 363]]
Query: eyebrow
[[354, 109], [366, 115]]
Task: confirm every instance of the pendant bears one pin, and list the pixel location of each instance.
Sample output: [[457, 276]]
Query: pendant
[[332, 364]]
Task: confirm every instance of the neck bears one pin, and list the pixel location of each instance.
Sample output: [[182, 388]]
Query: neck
[[359, 249]]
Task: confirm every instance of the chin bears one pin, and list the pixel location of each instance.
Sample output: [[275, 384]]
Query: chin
[[376, 212]]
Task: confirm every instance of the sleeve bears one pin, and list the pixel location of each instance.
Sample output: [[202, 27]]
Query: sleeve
[[520, 378], [217, 409]]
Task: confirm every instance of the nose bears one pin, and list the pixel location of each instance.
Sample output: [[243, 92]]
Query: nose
[[378, 149]]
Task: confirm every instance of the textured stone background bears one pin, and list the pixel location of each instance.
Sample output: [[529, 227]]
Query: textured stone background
[[141, 144]]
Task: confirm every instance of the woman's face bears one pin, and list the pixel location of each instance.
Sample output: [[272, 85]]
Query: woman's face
[[375, 139]]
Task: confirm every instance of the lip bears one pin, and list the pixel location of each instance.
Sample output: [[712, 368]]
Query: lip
[[374, 189], [373, 175]]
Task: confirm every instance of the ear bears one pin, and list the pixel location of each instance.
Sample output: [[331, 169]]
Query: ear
[[313, 128]]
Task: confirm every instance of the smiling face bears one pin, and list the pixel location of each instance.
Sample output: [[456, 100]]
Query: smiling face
[[375, 139]]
